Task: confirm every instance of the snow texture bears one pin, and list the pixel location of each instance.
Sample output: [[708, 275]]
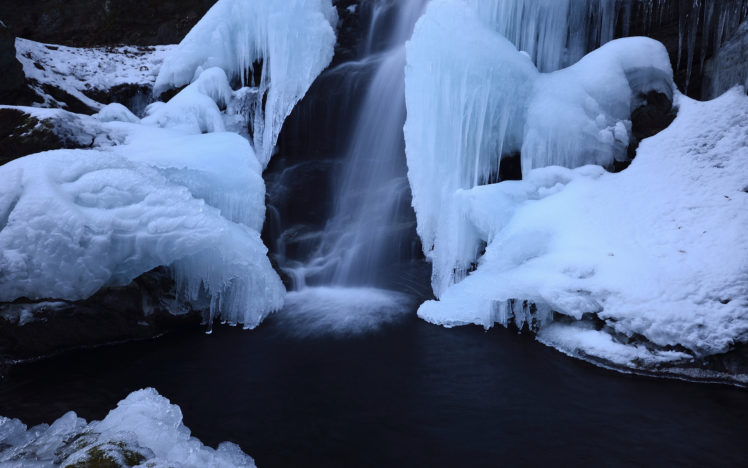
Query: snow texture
[[468, 109], [637, 269], [144, 430], [77, 70], [289, 41]]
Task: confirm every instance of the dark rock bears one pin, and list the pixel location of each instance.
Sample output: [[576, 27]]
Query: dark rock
[[135, 97], [510, 167], [654, 114], [86, 23], [13, 88], [141, 310]]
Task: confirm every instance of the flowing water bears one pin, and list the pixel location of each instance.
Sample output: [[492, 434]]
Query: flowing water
[[372, 225]]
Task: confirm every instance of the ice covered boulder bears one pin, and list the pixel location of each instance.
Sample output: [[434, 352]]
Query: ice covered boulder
[[640, 270], [144, 430], [285, 44], [472, 98], [74, 221]]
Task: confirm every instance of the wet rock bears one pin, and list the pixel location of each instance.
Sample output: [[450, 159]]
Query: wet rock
[[141, 310]]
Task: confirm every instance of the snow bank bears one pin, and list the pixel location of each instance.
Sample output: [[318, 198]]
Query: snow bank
[[641, 268], [291, 40], [472, 98], [144, 430], [74, 221]]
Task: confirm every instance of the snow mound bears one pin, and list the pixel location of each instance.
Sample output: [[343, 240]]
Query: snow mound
[[144, 430], [291, 40], [472, 99], [638, 269], [341, 311], [74, 221]]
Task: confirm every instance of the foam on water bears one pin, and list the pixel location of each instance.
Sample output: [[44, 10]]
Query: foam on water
[[342, 311]]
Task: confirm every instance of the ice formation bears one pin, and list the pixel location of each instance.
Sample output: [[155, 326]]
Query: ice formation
[[557, 33], [144, 430], [74, 221], [729, 66], [197, 108], [291, 40], [467, 110], [638, 269]]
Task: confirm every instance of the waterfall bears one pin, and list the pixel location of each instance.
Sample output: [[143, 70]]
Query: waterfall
[[372, 225]]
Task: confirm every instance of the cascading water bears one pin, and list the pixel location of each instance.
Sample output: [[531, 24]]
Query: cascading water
[[372, 225]]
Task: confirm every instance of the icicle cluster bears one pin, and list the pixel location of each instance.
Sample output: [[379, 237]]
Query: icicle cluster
[[276, 46], [557, 33]]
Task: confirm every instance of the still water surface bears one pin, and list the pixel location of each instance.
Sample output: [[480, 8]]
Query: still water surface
[[405, 394]]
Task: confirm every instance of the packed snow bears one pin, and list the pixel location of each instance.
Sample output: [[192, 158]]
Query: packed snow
[[144, 430], [468, 110], [80, 70], [640, 268], [292, 41]]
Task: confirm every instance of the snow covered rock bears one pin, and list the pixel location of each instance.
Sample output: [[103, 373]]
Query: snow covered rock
[[28, 130], [276, 46], [144, 430], [116, 112], [472, 99], [639, 270], [81, 79]]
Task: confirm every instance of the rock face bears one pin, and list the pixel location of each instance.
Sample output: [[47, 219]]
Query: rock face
[[13, 83], [103, 22]]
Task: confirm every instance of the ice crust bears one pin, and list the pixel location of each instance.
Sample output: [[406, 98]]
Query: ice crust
[[145, 428], [291, 40], [468, 109], [655, 253]]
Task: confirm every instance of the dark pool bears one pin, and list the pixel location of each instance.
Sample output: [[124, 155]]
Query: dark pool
[[409, 394]]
